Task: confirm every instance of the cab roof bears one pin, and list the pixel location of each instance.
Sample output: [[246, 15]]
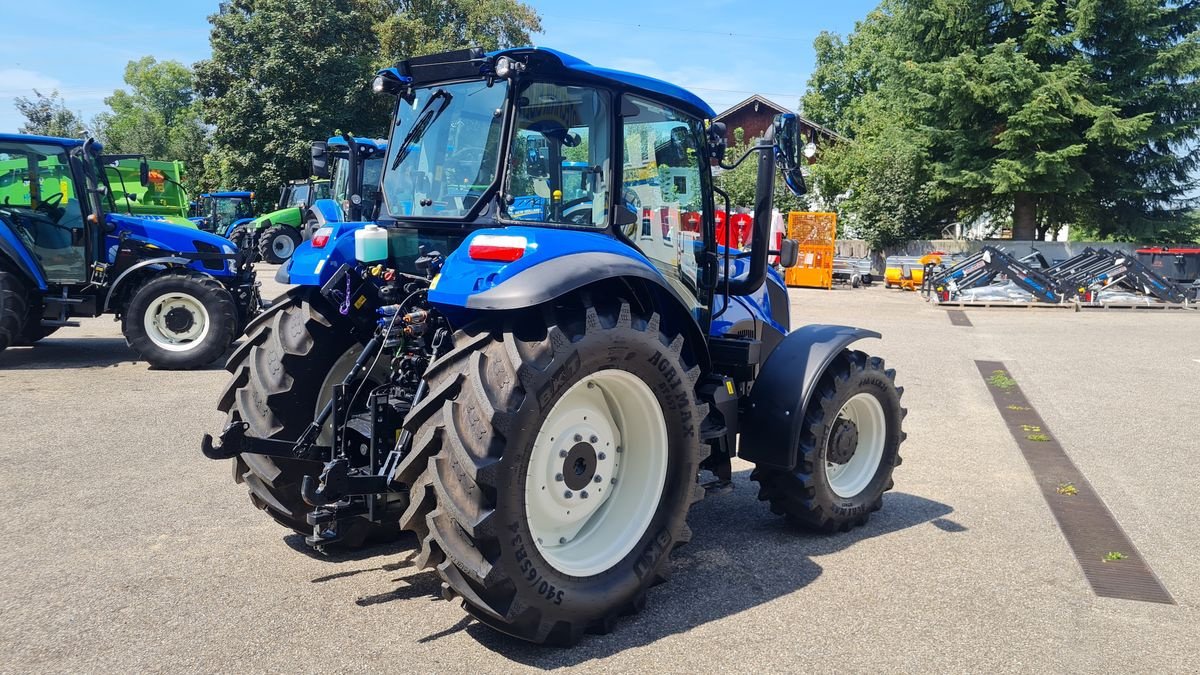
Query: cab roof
[[234, 194], [373, 143], [45, 140], [554, 59]]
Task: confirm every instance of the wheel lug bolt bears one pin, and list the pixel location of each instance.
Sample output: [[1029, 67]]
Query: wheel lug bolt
[[619, 448], [558, 477], [568, 494], [583, 495], [578, 438], [613, 481], [591, 385], [562, 540], [562, 453], [601, 456], [597, 479], [593, 439]]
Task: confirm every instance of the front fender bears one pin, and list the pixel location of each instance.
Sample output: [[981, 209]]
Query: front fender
[[774, 411], [166, 261]]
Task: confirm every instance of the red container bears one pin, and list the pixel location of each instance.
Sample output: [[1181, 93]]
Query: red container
[[1177, 263]]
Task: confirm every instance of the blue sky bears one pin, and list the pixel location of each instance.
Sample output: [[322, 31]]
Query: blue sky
[[723, 50]]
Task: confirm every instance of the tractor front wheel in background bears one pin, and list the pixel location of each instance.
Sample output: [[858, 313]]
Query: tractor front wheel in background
[[553, 468], [13, 309], [242, 237], [277, 243], [283, 374], [849, 445], [179, 320]]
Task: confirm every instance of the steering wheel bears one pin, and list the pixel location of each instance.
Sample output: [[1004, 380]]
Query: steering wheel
[[49, 206]]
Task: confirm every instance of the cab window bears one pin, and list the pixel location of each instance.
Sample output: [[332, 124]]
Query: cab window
[[558, 169], [38, 198], [661, 188]]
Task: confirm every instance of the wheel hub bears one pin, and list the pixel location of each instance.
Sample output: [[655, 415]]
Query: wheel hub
[[579, 466], [843, 441], [178, 320]]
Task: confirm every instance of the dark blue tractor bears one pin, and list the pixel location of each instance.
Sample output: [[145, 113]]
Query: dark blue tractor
[[353, 167], [538, 398], [183, 295]]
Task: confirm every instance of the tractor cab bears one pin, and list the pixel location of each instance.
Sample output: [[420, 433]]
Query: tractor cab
[[354, 166], [302, 193], [50, 198], [220, 212]]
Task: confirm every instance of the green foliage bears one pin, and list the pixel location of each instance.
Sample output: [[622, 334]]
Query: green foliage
[[48, 116], [740, 183], [419, 27], [1080, 112], [158, 117], [282, 73]]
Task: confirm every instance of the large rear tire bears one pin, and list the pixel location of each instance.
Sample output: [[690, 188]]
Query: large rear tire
[[282, 374], [179, 320], [13, 309], [849, 446], [520, 424], [277, 243]]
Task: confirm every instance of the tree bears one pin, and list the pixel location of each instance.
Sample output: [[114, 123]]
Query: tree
[[48, 116], [158, 117], [420, 27], [1057, 112]]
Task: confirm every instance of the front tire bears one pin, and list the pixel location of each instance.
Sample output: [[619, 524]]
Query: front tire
[[179, 320], [13, 309], [277, 243], [849, 445], [281, 378], [523, 431]]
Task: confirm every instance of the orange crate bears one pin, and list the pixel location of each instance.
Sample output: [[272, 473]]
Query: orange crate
[[816, 233]]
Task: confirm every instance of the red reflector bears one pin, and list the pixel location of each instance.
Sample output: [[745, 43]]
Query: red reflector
[[497, 248], [321, 237]]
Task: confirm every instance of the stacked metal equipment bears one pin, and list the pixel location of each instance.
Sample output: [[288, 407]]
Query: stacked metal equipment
[[1091, 278]]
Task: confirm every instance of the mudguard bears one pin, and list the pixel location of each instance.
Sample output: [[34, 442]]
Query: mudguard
[[14, 251], [310, 266], [243, 221], [326, 211], [774, 412], [166, 261]]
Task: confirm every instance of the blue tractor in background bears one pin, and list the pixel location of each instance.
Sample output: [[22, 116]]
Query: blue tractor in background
[[536, 395], [353, 166], [221, 212], [183, 295]]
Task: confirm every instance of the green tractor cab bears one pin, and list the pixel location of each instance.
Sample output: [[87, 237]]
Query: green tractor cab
[[276, 234]]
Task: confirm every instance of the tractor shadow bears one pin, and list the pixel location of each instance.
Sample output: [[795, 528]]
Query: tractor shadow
[[55, 353], [741, 556]]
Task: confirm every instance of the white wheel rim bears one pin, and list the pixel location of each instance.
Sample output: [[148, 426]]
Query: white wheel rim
[[162, 335], [283, 246], [616, 415], [850, 479]]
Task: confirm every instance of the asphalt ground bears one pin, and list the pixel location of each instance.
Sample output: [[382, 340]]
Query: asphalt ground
[[126, 551]]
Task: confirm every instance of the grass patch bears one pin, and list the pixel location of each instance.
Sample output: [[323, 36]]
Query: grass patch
[[1041, 438], [1001, 380], [1017, 407], [1068, 489], [1029, 427], [1114, 556]]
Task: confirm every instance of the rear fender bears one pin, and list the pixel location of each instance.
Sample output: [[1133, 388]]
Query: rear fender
[[311, 266], [14, 252], [326, 211], [773, 416], [556, 263]]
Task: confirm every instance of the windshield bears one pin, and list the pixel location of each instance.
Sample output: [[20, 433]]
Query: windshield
[[225, 210], [298, 196], [444, 150]]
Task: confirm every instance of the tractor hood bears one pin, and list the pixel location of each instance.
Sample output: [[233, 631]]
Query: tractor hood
[[168, 236]]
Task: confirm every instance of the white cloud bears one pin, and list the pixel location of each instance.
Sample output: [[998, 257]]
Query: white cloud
[[21, 82]]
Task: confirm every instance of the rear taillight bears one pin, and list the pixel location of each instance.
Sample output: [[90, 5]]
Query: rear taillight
[[321, 237], [497, 247]]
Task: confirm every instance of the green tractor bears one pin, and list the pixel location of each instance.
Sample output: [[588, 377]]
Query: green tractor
[[276, 234]]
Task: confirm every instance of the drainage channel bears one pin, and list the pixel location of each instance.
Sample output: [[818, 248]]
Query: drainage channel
[[959, 317], [1109, 560]]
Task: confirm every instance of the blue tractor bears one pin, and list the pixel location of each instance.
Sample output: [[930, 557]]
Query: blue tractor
[[183, 295], [220, 212], [537, 399], [353, 166]]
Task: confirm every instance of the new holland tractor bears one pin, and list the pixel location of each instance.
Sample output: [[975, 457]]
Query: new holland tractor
[[536, 399], [353, 166], [220, 212], [182, 295]]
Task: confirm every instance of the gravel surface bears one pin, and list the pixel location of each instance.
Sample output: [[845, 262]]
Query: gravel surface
[[128, 551]]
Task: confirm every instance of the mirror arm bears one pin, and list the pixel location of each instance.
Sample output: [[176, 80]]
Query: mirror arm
[[761, 146]]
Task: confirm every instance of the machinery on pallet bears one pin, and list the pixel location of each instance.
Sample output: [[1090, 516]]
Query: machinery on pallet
[[536, 399], [1084, 278], [908, 272], [1180, 264], [182, 295]]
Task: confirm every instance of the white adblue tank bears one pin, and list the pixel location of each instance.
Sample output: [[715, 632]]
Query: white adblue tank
[[371, 244]]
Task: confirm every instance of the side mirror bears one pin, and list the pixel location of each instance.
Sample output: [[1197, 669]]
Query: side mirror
[[320, 159], [717, 142], [789, 253], [144, 172], [788, 151]]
